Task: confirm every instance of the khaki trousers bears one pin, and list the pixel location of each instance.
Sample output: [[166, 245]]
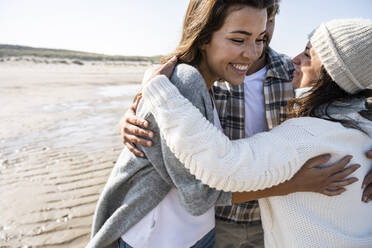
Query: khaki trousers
[[234, 235]]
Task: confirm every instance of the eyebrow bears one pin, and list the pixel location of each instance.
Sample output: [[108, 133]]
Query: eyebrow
[[245, 32]]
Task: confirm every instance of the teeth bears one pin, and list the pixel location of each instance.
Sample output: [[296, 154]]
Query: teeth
[[240, 67]]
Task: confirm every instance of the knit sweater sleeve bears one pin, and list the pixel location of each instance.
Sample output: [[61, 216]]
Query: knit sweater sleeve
[[251, 164]]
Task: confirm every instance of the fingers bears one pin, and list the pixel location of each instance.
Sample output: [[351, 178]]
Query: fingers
[[137, 121], [367, 194], [344, 173], [330, 192], [134, 139], [318, 160], [336, 173], [133, 149], [135, 131], [342, 183], [369, 154], [367, 180], [130, 118], [131, 129], [337, 166], [134, 125]]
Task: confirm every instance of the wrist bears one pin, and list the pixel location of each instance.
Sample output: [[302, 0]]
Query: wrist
[[287, 188]]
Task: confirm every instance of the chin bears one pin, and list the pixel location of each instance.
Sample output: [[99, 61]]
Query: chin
[[236, 81]]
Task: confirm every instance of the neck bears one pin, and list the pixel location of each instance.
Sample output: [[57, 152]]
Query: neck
[[209, 80], [258, 65]]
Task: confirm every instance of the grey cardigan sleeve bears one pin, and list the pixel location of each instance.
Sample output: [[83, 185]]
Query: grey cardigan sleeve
[[196, 197]]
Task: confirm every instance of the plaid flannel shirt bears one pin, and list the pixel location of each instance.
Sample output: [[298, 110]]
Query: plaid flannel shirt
[[229, 102]]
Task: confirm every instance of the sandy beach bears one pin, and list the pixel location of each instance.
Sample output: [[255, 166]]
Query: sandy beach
[[58, 143]]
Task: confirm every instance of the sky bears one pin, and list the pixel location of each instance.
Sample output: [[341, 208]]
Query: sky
[[147, 27]]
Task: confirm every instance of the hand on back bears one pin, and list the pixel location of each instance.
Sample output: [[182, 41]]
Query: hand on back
[[132, 128], [328, 180]]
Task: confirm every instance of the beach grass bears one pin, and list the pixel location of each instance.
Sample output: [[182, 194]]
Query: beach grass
[[7, 51]]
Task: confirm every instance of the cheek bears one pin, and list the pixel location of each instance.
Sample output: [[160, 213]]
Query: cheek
[[228, 51], [305, 67], [314, 74], [309, 75], [260, 49]]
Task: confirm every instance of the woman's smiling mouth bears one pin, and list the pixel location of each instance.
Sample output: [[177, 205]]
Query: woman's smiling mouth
[[240, 68]]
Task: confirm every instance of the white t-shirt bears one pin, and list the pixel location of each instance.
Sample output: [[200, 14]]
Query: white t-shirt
[[169, 225], [255, 119]]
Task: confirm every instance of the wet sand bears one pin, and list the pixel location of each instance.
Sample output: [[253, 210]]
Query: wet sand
[[58, 143]]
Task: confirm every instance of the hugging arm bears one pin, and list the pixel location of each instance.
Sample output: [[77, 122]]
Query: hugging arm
[[257, 163], [328, 180], [134, 129], [133, 132], [311, 177]]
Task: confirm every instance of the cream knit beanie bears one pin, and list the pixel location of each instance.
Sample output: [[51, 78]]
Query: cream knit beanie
[[344, 47]]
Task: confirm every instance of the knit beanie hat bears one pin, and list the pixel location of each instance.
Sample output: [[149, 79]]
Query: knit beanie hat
[[344, 47]]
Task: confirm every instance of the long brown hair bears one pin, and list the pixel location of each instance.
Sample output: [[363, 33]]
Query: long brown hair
[[324, 93], [202, 19]]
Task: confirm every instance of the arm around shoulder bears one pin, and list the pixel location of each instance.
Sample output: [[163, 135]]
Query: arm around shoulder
[[259, 162]]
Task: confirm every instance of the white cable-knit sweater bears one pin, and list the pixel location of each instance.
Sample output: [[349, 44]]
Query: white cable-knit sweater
[[297, 220]]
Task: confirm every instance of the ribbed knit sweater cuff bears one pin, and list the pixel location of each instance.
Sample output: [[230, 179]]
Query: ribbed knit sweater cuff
[[159, 91]]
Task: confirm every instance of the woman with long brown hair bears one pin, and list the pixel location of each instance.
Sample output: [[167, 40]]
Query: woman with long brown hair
[[336, 66], [154, 201]]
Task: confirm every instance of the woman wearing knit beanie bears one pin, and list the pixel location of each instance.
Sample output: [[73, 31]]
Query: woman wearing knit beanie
[[337, 65]]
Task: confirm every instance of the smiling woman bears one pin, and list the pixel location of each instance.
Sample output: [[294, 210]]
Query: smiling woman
[[235, 46], [308, 67], [149, 202]]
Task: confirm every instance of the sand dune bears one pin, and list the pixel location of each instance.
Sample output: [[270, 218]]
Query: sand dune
[[58, 143]]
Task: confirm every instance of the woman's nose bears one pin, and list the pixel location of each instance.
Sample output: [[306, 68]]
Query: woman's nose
[[252, 52]]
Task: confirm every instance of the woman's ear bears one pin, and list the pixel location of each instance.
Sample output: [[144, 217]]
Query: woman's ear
[[203, 45]]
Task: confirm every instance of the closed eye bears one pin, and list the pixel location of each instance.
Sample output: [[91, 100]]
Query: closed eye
[[237, 40]]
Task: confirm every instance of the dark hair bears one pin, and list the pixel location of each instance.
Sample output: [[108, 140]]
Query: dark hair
[[324, 93], [202, 19], [273, 9]]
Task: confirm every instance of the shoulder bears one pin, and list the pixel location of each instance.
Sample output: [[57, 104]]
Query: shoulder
[[191, 84], [187, 77]]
